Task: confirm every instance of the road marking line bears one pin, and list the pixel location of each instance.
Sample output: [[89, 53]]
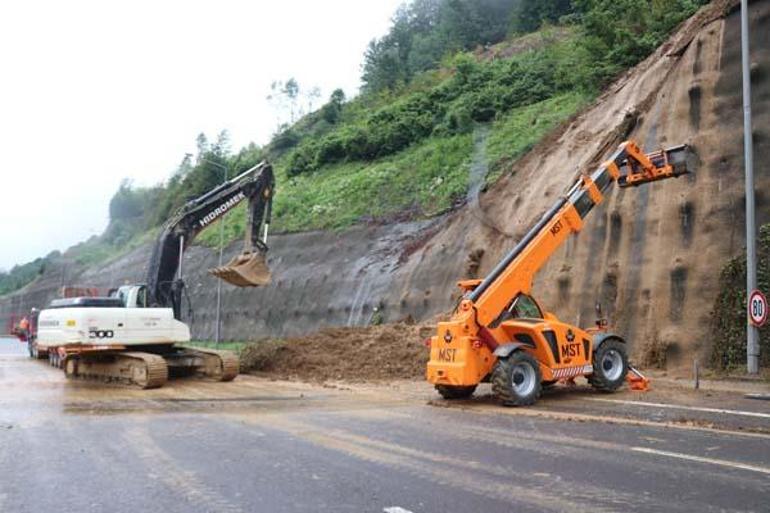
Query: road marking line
[[682, 407], [395, 509], [584, 417], [700, 459]]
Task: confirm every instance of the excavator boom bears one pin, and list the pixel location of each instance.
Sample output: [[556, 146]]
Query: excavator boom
[[249, 269]]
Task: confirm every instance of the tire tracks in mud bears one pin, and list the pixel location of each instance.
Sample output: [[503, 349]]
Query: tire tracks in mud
[[543, 491], [433, 467], [559, 446], [184, 483]]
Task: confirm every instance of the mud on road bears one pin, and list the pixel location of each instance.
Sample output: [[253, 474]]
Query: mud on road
[[373, 353], [261, 444]]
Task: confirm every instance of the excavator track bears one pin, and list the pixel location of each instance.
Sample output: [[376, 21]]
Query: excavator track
[[218, 365], [144, 370]]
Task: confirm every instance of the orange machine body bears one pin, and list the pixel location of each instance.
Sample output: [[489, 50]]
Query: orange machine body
[[498, 310]]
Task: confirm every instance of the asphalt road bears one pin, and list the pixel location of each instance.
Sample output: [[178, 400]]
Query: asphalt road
[[256, 445]]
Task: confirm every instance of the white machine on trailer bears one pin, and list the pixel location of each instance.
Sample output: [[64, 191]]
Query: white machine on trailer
[[134, 335], [106, 321], [103, 338]]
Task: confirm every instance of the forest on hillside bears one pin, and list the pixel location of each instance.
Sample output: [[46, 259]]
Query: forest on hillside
[[402, 146]]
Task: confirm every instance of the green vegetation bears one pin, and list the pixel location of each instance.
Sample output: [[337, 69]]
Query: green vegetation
[[424, 180], [225, 346], [728, 320], [617, 34], [21, 275], [516, 133], [402, 148]]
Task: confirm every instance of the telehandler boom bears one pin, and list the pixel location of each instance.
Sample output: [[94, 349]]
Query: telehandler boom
[[499, 333]]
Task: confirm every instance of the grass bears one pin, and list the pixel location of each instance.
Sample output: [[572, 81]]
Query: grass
[[96, 250], [517, 132], [423, 180], [226, 346]]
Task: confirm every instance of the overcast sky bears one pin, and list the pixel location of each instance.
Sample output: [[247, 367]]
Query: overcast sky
[[92, 92]]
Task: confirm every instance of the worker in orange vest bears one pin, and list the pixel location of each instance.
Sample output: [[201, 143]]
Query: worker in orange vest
[[22, 329]]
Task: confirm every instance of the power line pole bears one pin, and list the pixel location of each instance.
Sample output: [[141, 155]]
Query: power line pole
[[218, 327], [752, 332]]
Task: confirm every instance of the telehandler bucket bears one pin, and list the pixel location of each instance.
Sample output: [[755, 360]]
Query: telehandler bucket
[[249, 269]]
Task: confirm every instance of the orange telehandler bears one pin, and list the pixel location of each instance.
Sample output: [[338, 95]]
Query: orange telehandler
[[499, 333]]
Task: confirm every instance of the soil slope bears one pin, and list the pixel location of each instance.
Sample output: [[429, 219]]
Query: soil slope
[[650, 255]]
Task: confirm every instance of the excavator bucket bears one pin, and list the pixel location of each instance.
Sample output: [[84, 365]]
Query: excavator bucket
[[245, 270]]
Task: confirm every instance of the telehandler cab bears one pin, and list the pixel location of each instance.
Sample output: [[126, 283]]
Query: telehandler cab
[[499, 333]]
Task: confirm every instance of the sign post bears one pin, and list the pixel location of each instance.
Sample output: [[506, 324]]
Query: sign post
[[752, 334]]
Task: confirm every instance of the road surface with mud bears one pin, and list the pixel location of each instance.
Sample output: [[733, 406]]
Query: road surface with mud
[[257, 445]]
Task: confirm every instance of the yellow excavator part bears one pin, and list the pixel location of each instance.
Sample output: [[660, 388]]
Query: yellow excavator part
[[249, 269]]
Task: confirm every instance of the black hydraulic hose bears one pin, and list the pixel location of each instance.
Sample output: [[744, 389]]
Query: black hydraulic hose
[[516, 251]]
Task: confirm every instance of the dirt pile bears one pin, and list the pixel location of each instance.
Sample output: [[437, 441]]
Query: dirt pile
[[374, 353]]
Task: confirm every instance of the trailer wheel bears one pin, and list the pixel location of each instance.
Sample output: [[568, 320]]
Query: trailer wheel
[[610, 364], [516, 380], [452, 392], [71, 367]]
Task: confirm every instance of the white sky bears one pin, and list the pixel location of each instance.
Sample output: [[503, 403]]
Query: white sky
[[92, 92]]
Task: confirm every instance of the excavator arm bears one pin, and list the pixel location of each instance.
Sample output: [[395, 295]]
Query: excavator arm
[[164, 284], [628, 167]]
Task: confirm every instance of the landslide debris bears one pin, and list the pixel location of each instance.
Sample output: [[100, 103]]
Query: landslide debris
[[363, 354]]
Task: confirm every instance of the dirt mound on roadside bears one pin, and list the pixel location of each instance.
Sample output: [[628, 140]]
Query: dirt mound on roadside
[[374, 353]]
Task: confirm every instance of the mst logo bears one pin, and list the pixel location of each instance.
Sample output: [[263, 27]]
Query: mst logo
[[221, 209], [447, 355], [556, 228], [570, 350]]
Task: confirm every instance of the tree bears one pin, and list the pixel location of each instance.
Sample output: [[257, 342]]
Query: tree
[[125, 203], [222, 146], [284, 96], [382, 68], [532, 13], [312, 96], [203, 145], [423, 31], [332, 110]]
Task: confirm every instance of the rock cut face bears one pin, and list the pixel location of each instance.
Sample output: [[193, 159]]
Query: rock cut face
[[650, 255]]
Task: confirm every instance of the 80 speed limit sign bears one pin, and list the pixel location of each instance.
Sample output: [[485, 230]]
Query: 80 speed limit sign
[[757, 308]]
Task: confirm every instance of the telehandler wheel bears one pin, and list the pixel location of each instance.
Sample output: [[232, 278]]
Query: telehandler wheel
[[610, 366], [450, 392], [516, 380]]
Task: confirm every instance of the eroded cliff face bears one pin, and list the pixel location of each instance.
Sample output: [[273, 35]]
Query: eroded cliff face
[[651, 256]]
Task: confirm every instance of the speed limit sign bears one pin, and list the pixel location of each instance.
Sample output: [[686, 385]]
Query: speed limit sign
[[757, 308]]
